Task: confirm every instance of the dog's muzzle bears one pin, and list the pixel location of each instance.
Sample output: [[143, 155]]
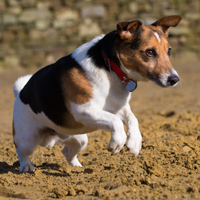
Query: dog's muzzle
[[172, 80]]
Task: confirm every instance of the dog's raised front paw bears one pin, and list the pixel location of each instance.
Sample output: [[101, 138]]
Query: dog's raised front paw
[[117, 142], [134, 144]]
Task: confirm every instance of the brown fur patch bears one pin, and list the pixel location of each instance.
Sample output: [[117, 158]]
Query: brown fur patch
[[76, 89], [76, 86], [47, 130]]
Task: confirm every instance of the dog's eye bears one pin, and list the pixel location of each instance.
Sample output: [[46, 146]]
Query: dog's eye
[[150, 52], [169, 51]]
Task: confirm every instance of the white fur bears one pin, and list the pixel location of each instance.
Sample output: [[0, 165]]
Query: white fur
[[20, 83], [108, 109], [157, 36], [175, 73]]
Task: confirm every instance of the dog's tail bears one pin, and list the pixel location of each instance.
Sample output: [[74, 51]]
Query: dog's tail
[[20, 83]]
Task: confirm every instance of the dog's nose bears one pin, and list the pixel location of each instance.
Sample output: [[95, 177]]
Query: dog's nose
[[173, 79]]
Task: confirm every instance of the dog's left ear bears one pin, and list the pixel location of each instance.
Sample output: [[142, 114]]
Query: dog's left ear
[[127, 30], [165, 23]]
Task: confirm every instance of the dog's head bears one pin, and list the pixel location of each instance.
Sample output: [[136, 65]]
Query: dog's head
[[144, 50]]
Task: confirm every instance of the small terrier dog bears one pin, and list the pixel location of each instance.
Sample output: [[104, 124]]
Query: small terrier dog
[[90, 89]]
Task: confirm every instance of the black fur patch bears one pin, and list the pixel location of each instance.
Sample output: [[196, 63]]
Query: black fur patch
[[106, 44], [136, 42], [43, 92]]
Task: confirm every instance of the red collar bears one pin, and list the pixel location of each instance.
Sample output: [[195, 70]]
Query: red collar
[[131, 85]]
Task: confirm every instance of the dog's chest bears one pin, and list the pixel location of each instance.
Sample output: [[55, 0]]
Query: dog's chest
[[110, 95]]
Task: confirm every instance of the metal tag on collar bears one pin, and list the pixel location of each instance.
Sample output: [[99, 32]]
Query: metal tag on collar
[[124, 80], [131, 86]]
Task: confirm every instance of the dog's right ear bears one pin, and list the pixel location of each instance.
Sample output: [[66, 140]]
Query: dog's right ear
[[127, 30]]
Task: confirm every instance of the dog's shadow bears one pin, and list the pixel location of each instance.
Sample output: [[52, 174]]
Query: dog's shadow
[[5, 168], [55, 170]]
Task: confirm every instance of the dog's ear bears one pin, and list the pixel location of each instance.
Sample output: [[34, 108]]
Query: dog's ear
[[127, 30], [165, 23]]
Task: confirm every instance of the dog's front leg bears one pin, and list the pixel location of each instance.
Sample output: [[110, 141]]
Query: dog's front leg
[[134, 141], [100, 119]]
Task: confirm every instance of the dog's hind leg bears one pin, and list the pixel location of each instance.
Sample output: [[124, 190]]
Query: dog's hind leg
[[25, 143], [26, 139], [74, 144], [25, 135]]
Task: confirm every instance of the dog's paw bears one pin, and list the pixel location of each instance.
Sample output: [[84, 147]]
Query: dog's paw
[[75, 162], [117, 142], [134, 144], [28, 167]]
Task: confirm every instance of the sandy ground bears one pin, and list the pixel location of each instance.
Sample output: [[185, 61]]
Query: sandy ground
[[168, 166]]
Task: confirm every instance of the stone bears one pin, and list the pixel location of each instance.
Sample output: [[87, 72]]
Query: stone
[[15, 10], [49, 59], [22, 35], [170, 12], [13, 3], [9, 19], [66, 18], [12, 61], [2, 5], [27, 4], [42, 24], [182, 39], [192, 16], [63, 23], [133, 7], [32, 15], [35, 34], [187, 55], [147, 7], [165, 4], [126, 16], [148, 20], [178, 31], [67, 14], [89, 28], [8, 36], [93, 11], [44, 4]]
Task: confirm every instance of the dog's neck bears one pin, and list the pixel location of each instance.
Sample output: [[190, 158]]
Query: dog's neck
[[131, 85], [113, 62], [107, 44]]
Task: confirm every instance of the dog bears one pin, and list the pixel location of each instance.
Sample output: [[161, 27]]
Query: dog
[[90, 89]]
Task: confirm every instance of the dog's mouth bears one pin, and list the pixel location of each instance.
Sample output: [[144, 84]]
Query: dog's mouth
[[165, 80]]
